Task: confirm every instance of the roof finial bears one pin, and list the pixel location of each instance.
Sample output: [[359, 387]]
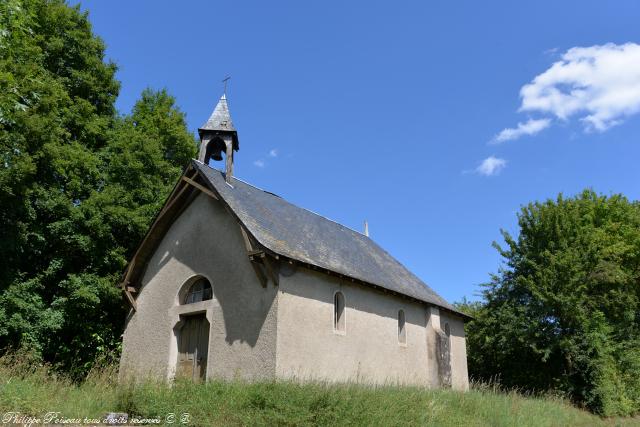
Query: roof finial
[[366, 228], [225, 80]]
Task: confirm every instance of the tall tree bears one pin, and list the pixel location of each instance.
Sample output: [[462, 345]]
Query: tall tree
[[564, 311], [78, 184]]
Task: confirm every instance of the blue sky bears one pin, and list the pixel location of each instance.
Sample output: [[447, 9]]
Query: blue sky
[[435, 121]]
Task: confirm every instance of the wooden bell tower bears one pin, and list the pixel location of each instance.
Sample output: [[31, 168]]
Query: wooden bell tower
[[218, 136]]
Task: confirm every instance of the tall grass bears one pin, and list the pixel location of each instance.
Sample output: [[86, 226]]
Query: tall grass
[[34, 390]]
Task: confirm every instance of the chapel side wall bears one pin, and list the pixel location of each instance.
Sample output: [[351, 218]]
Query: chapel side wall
[[459, 373], [204, 240], [369, 352]]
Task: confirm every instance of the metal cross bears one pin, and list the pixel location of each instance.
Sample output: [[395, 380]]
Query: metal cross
[[225, 80]]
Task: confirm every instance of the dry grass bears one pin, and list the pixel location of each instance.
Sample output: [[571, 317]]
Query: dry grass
[[35, 390]]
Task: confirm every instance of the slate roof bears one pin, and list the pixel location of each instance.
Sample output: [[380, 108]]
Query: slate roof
[[302, 235], [220, 122], [220, 119]]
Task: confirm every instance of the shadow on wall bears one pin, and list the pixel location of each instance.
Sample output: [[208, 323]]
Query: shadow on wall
[[207, 240], [245, 312]]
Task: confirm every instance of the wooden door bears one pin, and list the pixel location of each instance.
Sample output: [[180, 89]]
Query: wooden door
[[193, 346]]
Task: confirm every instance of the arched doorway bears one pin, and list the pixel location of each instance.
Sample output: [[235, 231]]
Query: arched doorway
[[193, 336]]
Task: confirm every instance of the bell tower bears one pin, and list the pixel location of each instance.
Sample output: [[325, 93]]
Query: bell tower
[[218, 135]]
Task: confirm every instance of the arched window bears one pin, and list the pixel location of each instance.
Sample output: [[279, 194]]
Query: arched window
[[447, 330], [200, 290], [338, 312], [402, 331]]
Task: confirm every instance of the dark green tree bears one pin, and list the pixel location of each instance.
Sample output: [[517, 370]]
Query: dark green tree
[[563, 313], [79, 185]]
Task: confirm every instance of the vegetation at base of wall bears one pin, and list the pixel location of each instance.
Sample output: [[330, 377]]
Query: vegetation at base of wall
[[563, 313], [35, 390], [79, 183]]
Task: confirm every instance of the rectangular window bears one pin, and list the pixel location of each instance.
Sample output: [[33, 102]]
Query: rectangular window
[[338, 313], [402, 330]]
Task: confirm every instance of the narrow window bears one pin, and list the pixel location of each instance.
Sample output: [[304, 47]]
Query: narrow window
[[447, 330], [402, 331], [200, 290], [338, 312]]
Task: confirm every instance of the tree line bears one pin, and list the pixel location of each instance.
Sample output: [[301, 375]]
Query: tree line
[[563, 312], [80, 184]]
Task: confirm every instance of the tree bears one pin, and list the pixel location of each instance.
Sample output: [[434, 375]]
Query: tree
[[79, 185], [563, 313]]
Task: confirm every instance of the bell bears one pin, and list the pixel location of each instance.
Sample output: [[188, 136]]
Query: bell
[[217, 155], [216, 147]]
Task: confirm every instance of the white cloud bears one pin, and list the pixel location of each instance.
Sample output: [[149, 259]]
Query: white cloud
[[551, 51], [491, 166], [598, 84], [261, 163], [530, 127]]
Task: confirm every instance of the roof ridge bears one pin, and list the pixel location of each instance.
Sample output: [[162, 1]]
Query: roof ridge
[[292, 204], [306, 236]]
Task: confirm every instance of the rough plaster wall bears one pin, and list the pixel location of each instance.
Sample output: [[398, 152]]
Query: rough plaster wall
[[308, 347], [459, 373], [433, 324], [204, 240]]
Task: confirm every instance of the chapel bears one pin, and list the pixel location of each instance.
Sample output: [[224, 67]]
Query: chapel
[[232, 281]]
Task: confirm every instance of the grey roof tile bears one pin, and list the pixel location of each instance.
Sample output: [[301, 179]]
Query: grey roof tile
[[302, 235], [220, 118]]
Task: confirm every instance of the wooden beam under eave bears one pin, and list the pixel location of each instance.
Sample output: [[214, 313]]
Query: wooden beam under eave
[[200, 187], [247, 242], [173, 199], [251, 253], [125, 279], [132, 301], [264, 280], [175, 195], [267, 261]]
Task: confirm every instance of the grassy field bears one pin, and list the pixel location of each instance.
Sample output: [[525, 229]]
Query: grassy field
[[36, 391]]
